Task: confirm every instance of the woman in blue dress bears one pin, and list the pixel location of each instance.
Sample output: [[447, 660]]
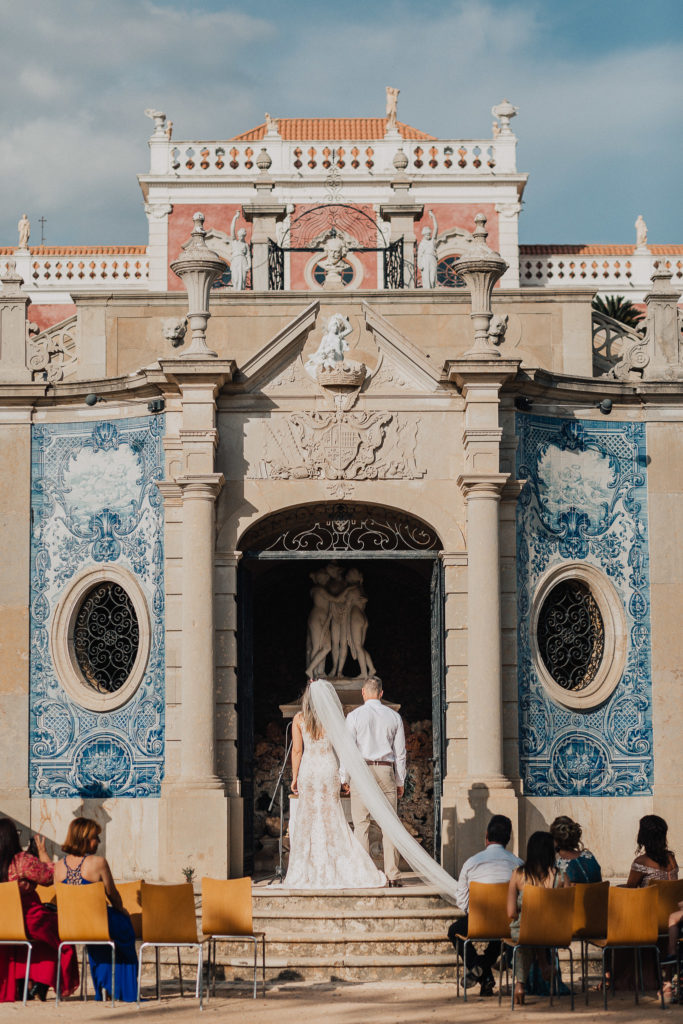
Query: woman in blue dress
[[81, 866], [572, 858]]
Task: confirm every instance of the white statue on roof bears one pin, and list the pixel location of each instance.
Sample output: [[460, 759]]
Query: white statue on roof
[[391, 112], [641, 232], [24, 229]]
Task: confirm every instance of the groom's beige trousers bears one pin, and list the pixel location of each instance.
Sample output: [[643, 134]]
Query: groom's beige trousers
[[384, 773]]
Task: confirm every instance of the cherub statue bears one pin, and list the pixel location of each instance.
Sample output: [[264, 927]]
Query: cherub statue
[[332, 346], [426, 254], [240, 257]]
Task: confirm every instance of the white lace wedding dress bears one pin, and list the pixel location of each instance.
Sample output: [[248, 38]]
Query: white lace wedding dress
[[324, 853]]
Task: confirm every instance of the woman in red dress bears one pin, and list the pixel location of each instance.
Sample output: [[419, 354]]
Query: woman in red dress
[[40, 921]]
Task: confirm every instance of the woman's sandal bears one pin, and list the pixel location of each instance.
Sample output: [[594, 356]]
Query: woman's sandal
[[519, 993], [667, 993]]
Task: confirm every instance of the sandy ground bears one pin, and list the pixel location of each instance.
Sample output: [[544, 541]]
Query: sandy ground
[[343, 1003]]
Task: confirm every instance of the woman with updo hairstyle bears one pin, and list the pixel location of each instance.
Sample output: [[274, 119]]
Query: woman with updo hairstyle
[[574, 861], [656, 862]]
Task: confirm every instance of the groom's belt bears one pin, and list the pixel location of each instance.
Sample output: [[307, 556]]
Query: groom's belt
[[389, 764]]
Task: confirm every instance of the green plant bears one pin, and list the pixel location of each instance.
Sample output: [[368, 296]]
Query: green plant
[[618, 308], [189, 874]]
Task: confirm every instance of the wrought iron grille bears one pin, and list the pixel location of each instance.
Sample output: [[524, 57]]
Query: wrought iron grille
[[447, 275], [571, 635], [106, 637], [393, 265], [276, 267], [341, 527]]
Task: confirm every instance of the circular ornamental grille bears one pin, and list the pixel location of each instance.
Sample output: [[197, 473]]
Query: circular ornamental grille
[[106, 637], [571, 635]]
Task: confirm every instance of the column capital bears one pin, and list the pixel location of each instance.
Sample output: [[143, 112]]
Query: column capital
[[206, 486], [482, 485], [170, 492]]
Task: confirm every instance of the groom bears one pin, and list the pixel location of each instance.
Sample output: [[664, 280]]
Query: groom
[[378, 733]]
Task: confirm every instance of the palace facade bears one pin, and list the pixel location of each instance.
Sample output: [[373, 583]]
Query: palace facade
[[500, 464]]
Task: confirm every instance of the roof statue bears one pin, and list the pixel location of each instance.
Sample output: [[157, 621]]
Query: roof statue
[[391, 111], [641, 232], [24, 229]]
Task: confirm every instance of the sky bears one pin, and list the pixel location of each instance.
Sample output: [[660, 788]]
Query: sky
[[598, 85]]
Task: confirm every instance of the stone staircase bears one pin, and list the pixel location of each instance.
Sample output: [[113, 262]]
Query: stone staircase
[[367, 935]]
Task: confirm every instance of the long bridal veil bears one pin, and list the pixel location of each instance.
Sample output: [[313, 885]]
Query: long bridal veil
[[329, 710]]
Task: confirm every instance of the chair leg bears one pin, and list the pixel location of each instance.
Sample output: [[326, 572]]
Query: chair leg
[[214, 966], [255, 941], [140, 972], [200, 975], [571, 977], [113, 974], [180, 973], [553, 954], [156, 952], [514, 974], [28, 970], [58, 986], [84, 975], [660, 979], [464, 969], [636, 978], [263, 961]]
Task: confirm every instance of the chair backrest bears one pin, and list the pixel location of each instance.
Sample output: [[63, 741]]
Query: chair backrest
[[82, 913], [11, 914], [130, 893], [547, 916], [590, 910], [168, 913], [669, 895], [488, 911], [226, 906], [632, 916], [46, 893]]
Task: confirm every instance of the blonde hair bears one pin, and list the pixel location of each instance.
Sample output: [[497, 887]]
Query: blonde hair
[[311, 721], [79, 836]]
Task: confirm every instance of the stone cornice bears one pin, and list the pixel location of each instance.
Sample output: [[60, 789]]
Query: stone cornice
[[482, 485], [486, 372], [206, 486], [170, 492]]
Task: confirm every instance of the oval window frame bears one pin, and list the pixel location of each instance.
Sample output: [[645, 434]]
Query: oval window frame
[[62, 650], [613, 662]]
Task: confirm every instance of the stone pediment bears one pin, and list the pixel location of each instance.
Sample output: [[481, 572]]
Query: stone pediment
[[403, 368], [278, 366]]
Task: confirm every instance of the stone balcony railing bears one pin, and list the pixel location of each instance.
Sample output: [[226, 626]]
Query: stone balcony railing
[[80, 267], [620, 268], [292, 159]]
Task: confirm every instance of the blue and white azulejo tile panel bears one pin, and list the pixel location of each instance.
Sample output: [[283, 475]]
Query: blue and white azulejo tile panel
[[95, 502], [585, 499]]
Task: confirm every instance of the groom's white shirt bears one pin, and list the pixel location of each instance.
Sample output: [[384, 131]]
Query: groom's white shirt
[[378, 733]]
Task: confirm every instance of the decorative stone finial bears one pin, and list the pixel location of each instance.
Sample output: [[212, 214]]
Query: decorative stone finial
[[159, 119], [504, 112], [198, 267], [480, 267], [11, 280], [400, 160], [263, 161]]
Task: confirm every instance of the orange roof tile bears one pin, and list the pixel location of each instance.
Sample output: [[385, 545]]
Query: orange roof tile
[[596, 249], [331, 129], [80, 250]]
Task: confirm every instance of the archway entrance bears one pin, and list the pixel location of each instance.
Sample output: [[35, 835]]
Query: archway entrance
[[396, 559]]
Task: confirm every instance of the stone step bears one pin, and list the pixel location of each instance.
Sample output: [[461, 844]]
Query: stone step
[[362, 903], [435, 922], [340, 945], [350, 967]]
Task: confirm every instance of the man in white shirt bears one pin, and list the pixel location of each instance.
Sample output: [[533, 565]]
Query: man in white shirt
[[492, 864], [378, 733]]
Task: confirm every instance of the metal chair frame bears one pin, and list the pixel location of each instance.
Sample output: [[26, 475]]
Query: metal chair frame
[[638, 974], [199, 985], [553, 949], [463, 957], [29, 950], [256, 937], [84, 974]]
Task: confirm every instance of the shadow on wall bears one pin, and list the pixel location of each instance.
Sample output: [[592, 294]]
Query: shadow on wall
[[470, 832], [88, 808]]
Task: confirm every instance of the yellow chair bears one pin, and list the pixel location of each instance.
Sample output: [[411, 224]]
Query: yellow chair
[[547, 920], [631, 924], [169, 919], [46, 893], [82, 921], [130, 893], [590, 920], [227, 915], [669, 895], [487, 921], [12, 928]]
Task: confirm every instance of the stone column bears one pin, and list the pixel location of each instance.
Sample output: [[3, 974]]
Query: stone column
[[13, 305], [485, 691], [197, 759]]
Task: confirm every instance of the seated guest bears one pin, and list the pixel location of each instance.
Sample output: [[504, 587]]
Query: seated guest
[[81, 866], [40, 922], [573, 860], [493, 864], [656, 863], [539, 868]]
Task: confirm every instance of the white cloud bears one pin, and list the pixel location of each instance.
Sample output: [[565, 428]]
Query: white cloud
[[597, 130]]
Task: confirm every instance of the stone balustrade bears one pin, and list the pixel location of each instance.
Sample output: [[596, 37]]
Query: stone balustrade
[[621, 271], [315, 158], [80, 267]]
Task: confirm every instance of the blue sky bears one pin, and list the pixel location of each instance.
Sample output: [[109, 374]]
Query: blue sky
[[598, 85]]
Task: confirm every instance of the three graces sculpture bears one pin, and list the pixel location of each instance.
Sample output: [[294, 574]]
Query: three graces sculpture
[[337, 625]]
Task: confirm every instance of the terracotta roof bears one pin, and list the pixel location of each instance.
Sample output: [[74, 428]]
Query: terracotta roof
[[331, 129], [597, 249], [80, 250]]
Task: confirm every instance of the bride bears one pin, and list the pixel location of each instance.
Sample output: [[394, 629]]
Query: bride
[[324, 853]]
